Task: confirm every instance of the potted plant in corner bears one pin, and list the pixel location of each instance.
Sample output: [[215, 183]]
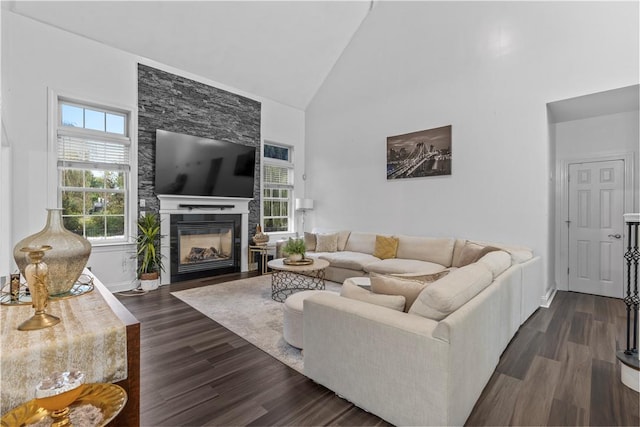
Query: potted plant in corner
[[148, 252], [294, 249]]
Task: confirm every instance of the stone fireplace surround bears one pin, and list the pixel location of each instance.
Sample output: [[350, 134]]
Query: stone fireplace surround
[[185, 205]]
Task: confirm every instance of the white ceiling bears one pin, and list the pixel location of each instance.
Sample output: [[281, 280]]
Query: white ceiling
[[281, 50]]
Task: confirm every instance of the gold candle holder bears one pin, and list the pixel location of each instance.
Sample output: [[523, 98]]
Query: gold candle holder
[[37, 277]]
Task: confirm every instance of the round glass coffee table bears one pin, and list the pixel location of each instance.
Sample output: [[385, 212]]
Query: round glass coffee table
[[289, 278]]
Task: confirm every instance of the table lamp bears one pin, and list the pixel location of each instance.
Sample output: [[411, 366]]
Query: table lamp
[[304, 205]]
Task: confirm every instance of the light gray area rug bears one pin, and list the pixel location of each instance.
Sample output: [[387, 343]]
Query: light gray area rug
[[245, 308]]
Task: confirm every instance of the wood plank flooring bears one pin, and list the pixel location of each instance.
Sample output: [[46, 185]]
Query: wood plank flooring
[[560, 369]]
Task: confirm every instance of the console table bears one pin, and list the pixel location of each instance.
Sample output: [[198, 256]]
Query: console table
[[130, 415], [18, 346]]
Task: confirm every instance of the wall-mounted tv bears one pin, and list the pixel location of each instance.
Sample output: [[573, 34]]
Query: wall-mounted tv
[[194, 166]]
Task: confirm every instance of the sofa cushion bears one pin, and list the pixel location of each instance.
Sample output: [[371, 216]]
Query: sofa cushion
[[394, 302], [391, 285], [348, 259], [310, 241], [446, 295], [470, 253], [496, 261], [397, 265], [327, 242], [436, 250], [386, 247], [361, 242]]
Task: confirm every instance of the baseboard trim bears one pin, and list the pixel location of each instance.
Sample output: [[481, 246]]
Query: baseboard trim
[[547, 298], [122, 286]]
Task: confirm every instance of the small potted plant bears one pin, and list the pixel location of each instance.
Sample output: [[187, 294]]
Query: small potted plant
[[148, 252], [294, 249]]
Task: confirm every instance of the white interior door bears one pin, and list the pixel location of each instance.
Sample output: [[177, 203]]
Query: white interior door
[[596, 204]]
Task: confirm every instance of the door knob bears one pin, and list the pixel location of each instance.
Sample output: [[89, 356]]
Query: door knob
[[615, 236]]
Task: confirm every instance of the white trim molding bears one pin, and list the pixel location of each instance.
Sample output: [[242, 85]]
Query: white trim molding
[[547, 298]]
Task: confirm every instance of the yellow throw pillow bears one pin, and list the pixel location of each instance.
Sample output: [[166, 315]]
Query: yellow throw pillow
[[386, 247]]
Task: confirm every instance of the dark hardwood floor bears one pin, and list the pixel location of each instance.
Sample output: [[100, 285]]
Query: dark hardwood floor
[[560, 369]]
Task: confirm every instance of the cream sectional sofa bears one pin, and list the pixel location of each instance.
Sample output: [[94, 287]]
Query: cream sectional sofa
[[427, 366]]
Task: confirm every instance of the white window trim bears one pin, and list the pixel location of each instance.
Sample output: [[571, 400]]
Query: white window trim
[[54, 199], [280, 163]]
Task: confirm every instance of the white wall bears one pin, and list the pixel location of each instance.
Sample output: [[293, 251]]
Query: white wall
[[611, 133], [601, 136], [488, 69], [43, 58]]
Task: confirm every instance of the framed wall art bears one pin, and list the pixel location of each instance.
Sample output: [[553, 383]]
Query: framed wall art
[[419, 154]]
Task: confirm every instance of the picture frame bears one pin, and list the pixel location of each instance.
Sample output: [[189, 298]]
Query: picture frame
[[419, 154]]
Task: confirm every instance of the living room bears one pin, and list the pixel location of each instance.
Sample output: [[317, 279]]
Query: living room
[[497, 72]]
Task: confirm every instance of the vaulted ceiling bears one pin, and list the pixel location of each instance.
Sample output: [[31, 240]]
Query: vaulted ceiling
[[281, 50]]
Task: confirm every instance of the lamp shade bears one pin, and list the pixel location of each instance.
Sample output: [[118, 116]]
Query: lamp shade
[[304, 204]]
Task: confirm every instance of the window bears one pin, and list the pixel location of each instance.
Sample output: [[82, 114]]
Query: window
[[277, 199], [93, 170]]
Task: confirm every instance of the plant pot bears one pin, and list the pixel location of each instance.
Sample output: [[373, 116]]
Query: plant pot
[[149, 281], [295, 257]]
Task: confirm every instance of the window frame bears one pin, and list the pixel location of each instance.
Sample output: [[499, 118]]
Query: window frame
[[290, 166], [55, 187]]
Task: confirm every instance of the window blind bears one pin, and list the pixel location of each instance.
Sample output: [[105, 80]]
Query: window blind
[[95, 153], [277, 176]]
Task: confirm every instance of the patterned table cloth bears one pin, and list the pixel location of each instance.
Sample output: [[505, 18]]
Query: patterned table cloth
[[89, 338]]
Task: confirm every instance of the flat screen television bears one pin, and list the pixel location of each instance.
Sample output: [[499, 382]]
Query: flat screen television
[[194, 166]]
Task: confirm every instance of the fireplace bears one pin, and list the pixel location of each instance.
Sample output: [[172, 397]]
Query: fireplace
[[201, 213], [204, 245]]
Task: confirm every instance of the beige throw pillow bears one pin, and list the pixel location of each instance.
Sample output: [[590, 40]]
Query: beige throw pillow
[[472, 252], [310, 241], [394, 302], [343, 237], [428, 278], [386, 247], [326, 242], [391, 285], [448, 294]]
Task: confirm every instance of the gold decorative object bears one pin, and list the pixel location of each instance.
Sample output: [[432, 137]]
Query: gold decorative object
[[303, 261], [14, 288], [109, 398], [83, 285], [260, 238], [37, 275], [67, 259], [56, 392]]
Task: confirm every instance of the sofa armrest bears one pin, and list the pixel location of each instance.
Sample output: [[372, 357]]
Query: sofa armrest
[[384, 361], [375, 314]]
